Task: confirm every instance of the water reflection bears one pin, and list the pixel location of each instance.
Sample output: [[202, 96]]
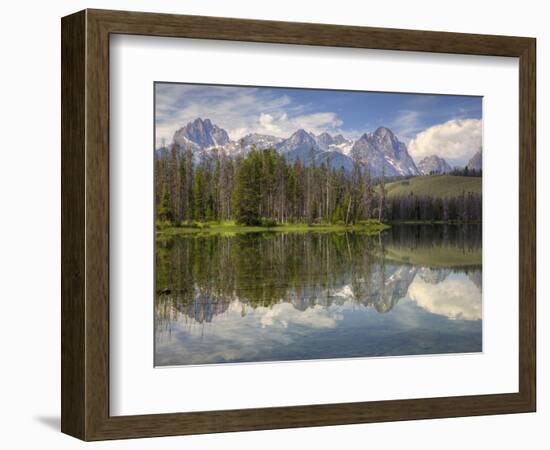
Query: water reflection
[[266, 297], [452, 297]]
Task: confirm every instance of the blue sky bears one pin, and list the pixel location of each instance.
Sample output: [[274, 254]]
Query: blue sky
[[447, 125]]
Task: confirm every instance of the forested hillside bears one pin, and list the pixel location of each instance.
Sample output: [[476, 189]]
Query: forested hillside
[[264, 188]]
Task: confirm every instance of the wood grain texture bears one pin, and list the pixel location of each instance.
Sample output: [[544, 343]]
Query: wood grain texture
[[201, 27], [85, 224], [97, 225], [527, 224], [73, 226]]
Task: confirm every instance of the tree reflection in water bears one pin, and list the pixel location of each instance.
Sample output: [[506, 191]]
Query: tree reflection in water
[[200, 278]]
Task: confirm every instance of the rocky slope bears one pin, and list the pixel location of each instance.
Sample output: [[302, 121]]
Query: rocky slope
[[381, 150], [384, 153], [433, 164]]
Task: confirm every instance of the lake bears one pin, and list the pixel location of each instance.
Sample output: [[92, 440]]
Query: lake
[[276, 296]]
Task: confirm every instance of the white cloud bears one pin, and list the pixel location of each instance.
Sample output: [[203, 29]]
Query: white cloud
[[238, 110], [283, 126], [284, 314], [456, 141], [457, 297], [236, 336]]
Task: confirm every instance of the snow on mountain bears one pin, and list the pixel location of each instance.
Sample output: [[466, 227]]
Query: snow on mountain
[[338, 143], [324, 140], [201, 134], [299, 145], [245, 144], [378, 149], [322, 149], [384, 152], [433, 164], [343, 147], [260, 141], [339, 140]]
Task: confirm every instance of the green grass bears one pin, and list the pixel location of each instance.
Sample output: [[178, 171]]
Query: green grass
[[437, 256], [231, 228], [434, 186]]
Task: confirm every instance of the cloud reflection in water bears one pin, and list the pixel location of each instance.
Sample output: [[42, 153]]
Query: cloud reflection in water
[[348, 301]]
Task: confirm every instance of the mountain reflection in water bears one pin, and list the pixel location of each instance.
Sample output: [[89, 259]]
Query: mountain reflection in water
[[294, 296]]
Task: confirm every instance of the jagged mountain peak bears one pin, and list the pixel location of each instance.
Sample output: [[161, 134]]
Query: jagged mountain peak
[[301, 133], [201, 134], [384, 153], [383, 132], [200, 120], [298, 139], [386, 137], [326, 137], [259, 141], [433, 164], [380, 149], [339, 139]]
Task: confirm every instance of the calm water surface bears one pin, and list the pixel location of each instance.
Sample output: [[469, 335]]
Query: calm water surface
[[414, 289]]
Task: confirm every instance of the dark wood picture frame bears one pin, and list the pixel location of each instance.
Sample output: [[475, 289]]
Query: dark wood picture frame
[[85, 224]]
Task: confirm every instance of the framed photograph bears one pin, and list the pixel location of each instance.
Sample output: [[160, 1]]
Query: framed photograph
[[273, 225]]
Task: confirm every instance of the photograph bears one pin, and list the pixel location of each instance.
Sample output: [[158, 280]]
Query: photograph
[[308, 224], [268, 225]]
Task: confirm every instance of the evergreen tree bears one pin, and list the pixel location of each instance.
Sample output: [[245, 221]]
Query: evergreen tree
[[247, 195], [164, 211], [199, 195], [264, 187]]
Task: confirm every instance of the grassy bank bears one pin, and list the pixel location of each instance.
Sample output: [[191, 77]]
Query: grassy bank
[[431, 256], [230, 227], [442, 186]]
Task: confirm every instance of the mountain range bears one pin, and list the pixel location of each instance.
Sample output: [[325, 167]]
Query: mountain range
[[381, 149], [381, 290]]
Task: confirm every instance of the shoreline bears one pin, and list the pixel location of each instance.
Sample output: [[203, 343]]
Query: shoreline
[[370, 227]]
